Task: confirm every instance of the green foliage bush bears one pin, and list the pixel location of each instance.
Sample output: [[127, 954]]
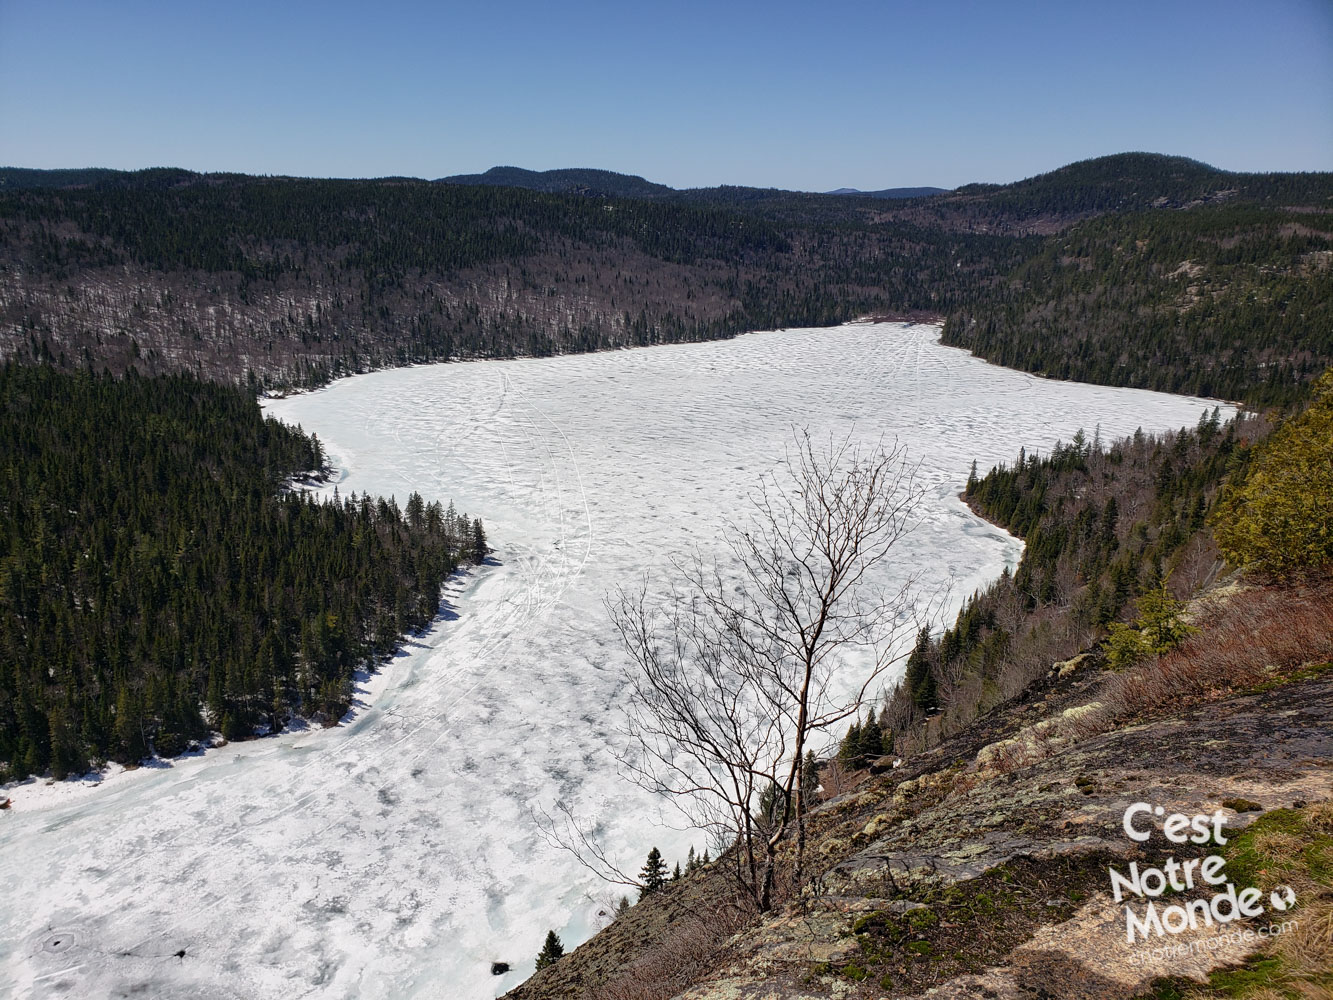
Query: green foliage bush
[[1280, 519], [1159, 628]]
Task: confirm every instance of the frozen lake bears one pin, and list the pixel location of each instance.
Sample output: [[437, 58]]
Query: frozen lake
[[395, 856]]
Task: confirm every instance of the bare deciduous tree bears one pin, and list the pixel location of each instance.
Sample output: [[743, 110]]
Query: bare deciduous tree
[[754, 654]]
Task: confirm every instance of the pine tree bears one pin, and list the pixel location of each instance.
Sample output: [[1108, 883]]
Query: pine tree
[[850, 747], [771, 803], [416, 510], [552, 951], [653, 875], [623, 906]]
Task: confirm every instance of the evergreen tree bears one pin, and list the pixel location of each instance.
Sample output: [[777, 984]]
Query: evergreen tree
[[772, 802], [653, 875], [479, 548], [1279, 519], [552, 951], [919, 677], [1159, 628], [849, 749], [872, 740]]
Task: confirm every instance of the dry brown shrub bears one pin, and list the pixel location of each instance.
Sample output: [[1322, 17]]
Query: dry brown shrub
[[686, 952], [834, 779], [1245, 638]]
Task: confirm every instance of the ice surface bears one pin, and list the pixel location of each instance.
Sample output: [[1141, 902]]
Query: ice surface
[[394, 856]]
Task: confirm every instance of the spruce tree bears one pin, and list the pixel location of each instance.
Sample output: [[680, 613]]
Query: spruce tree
[[919, 678], [850, 747], [479, 548], [552, 951], [653, 875], [872, 742]]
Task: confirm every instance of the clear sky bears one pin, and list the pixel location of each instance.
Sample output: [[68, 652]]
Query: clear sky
[[809, 96]]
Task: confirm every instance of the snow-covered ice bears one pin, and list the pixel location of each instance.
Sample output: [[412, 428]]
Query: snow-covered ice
[[395, 856]]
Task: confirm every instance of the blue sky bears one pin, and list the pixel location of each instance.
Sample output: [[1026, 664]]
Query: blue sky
[[798, 95]]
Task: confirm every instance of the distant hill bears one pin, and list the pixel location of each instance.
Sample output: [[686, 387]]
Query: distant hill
[[916, 192], [22, 178], [607, 183], [571, 181], [1119, 183]]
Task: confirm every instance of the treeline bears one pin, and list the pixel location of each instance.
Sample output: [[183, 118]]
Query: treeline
[[1102, 526], [158, 580], [263, 227]]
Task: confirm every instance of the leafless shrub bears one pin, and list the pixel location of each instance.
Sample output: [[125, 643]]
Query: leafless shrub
[[1245, 638], [835, 779], [687, 951], [733, 677]]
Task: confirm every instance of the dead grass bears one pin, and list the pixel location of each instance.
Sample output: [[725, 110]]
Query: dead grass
[[1284, 863], [1307, 951], [1298, 963], [1321, 817]]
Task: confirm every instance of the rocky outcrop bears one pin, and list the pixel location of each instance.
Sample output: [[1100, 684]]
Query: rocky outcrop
[[981, 870], [1007, 872]]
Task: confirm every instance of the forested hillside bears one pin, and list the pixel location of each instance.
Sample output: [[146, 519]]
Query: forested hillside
[[1104, 527], [1230, 300], [299, 281], [573, 181], [157, 582], [1135, 269]]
